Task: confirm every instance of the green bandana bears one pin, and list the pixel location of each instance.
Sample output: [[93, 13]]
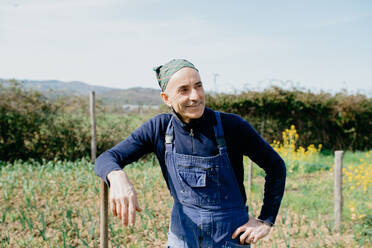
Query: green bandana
[[165, 72]]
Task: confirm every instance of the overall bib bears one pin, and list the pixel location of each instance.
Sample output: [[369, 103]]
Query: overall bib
[[208, 205]]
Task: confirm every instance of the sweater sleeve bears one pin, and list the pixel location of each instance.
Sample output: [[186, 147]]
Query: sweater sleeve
[[139, 143], [260, 152]]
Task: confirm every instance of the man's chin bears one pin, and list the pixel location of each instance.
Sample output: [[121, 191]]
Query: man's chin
[[196, 114]]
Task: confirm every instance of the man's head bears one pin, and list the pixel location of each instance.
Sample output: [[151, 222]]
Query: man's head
[[183, 90]]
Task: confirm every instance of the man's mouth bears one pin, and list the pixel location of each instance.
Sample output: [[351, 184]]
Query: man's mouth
[[193, 106]]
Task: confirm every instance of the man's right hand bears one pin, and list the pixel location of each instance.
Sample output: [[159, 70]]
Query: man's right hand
[[123, 197]]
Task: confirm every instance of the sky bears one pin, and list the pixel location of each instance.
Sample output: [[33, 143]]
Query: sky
[[313, 45]]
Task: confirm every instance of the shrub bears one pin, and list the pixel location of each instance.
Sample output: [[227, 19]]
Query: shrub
[[338, 121], [31, 126], [297, 158]]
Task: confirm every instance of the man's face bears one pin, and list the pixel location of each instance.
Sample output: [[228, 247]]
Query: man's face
[[185, 94]]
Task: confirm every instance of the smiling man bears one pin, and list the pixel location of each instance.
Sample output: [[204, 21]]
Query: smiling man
[[200, 152]]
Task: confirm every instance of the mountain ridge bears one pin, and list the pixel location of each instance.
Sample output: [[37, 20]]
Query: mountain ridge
[[108, 95]]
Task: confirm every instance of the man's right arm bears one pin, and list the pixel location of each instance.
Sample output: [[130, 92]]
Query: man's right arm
[[139, 143], [109, 165]]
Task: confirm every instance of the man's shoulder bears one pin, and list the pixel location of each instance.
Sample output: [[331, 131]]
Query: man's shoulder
[[160, 120], [228, 119], [231, 117], [154, 126], [234, 123]]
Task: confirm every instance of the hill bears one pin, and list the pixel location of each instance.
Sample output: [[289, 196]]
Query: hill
[[109, 96]]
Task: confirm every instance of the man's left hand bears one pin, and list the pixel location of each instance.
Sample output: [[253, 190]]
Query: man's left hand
[[252, 231]]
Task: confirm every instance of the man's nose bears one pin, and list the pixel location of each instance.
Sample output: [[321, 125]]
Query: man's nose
[[194, 95]]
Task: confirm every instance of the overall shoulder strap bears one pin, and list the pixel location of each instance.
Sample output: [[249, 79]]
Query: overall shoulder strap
[[218, 130], [169, 135]]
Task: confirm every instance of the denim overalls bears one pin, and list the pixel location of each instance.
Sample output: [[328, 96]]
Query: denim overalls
[[208, 205]]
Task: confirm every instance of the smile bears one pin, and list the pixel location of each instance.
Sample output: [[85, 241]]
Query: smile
[[193, 106]]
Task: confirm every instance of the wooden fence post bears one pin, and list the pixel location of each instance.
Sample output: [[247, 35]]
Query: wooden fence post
[[338, 188], [104, 216], [250, 178], [93, 146], [104, 190]]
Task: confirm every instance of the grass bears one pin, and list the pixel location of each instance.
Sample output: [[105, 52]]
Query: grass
[[56, 204], [307, 208]]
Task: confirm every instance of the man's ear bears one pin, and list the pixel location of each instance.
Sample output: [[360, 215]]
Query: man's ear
[[165, 98]]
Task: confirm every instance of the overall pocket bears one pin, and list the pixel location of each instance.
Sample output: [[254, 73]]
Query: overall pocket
[[199, 186]]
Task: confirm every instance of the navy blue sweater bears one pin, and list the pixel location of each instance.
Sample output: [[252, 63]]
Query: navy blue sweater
[[197, 138]]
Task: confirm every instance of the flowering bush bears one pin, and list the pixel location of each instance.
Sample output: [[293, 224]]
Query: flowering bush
[[358, 181], [338, 121], [359, 175], [296, 158]]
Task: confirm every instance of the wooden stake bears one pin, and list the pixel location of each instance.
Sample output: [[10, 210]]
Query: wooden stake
[[104, 189], [104, 212], [250, 178], [338, 188], [93, 122]]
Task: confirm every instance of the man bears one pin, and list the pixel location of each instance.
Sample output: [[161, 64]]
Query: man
[[200, 152]]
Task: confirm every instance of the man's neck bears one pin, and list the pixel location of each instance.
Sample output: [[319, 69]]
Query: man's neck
[[190, 122]]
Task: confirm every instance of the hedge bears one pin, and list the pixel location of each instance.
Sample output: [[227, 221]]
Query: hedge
[[339, 121], [31, 126]]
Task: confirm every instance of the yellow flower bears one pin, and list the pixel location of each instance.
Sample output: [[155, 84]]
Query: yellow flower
[[294, 155]]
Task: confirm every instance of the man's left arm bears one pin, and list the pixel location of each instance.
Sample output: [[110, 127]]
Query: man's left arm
[[260, 152]]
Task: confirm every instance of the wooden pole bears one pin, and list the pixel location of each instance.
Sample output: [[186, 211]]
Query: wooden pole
[[104, 216], [250, 178], [338, 188], [104, 190], [93, 124]]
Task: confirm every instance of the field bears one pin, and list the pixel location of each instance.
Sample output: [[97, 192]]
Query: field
[[56, 204]]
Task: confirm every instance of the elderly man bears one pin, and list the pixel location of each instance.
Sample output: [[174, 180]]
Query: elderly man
[[200, 152]]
